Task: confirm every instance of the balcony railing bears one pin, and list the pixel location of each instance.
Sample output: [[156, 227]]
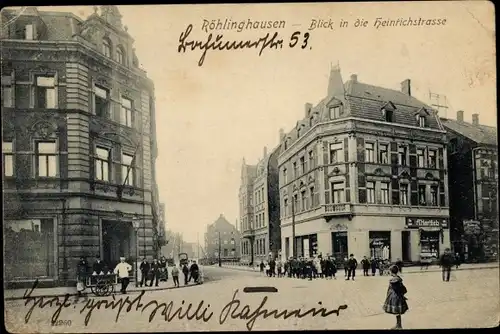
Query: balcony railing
[[338, 209]]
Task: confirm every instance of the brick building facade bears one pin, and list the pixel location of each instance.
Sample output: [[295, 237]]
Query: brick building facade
[[222, 237]]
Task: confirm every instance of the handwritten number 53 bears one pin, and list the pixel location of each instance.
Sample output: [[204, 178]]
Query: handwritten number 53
[[295, 39]]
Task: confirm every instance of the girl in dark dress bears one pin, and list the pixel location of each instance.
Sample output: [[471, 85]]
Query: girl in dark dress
[[395, 302]]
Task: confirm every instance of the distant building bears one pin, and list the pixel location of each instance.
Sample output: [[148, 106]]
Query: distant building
[[263, 234], [364, 172], [473, 184], [225, 233]]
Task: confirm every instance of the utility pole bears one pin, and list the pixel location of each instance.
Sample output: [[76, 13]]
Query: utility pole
[[220, 263], [294, 245]]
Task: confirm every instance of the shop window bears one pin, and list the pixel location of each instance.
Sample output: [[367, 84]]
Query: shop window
[[370, 192], [339, 246], [421, 195], [402, 155], [29, 249], [101, 101], [432, 159], [336, 153], [46, 159], [8, 158], [369, 152], [434, 195], [380, 243], [7, 92], [420, 158], [403, 191], [128, 169], [429, 244], [384, 193], [338, 192], [45, 92], [383, 154]]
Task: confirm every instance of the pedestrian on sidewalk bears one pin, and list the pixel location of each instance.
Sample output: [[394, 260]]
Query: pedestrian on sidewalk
[[194, 272], [446, 262], [155, 272], [395, 302], [365, 263], [175, 275], [144, 268], [346, 266], [352, 264], [374, 265], [262, 266], [185, 271], [458, 261], [82, 271], [122, 269]]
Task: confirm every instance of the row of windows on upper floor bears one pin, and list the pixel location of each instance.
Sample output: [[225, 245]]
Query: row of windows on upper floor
[[46, 162], [259, 247], [373, 153], [377, 192], [44, 94], [28, 32], [336, 112]]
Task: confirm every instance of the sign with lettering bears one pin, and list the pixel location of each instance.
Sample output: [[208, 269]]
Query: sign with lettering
[[427, 222]]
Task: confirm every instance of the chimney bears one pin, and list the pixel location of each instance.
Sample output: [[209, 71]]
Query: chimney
[[282, 135], [265, 152], [475, 119], [460, 115], [406, 87], [308, 107], [354, 77]]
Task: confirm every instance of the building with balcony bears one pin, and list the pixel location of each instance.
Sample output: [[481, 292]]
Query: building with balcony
[[222, 237], [264, 231], [364, 172], [473, 184], [79, 145]]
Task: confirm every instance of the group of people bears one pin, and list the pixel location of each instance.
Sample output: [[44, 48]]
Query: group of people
[[156, 271]]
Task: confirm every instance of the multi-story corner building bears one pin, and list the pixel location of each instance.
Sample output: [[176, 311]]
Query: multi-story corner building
[[364, 172], [265, 233], [248, 175], [79, 144], [473, 184], [222, 237]]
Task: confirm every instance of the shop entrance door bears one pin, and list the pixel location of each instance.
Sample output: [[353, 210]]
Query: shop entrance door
[[339, 246], [406, 245], [116, 242]]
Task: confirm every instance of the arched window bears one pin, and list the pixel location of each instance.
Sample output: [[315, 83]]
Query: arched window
[[106, 47], [120, 57]]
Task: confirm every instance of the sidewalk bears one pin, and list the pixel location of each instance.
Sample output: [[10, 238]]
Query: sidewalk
[[406, 270]]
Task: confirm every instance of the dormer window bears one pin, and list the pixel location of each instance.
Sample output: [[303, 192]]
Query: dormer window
[[120, 57], [421, 121], [25, 31], [388, 115], [29, 32], [334, 112], [106, 47]]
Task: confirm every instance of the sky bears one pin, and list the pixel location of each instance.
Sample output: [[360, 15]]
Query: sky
[[210, 117]]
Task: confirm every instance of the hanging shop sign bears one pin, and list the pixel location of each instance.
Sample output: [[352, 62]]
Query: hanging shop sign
[[439, 223], [472, 227]]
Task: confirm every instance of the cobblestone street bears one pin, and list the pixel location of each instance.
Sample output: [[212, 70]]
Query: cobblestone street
[[470, 299]]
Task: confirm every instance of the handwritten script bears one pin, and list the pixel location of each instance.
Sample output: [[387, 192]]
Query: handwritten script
[[170, 310]]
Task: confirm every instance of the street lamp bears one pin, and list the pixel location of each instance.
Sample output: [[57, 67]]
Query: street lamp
[[136, 223]]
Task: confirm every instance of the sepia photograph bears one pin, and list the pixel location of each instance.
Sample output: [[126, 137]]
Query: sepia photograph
[[249, 167]]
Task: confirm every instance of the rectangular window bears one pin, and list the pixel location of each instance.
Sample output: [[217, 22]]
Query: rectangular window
[[285, 205], [338, 192], [29, 32], [370, 192], [334, 112], [303, 164], [369, 152], [45, 92], [7, 96], [311, 160], [8, 158], [336, 153], [46, 159], [384, 193], [126, 112], [303, 199], [102, 163], [420, 158], [421, 195], [421, 121], [383, 155], [101, 101], [402, 155], [295, 170], [403, 194], [127, 169], [388, 115], [434, 195], [285, 176], [432, 159]]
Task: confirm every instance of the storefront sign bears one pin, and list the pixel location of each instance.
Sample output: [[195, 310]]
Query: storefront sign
[[427, 222], [472, 227]]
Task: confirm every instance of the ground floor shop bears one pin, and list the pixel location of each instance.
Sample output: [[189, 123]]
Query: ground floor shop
[[46, 244], [407, 238]]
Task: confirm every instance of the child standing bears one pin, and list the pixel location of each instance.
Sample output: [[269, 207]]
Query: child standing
[[175, 275], [395, 302]]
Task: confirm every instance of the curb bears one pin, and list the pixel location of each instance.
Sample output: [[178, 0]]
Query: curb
[[91, 295]]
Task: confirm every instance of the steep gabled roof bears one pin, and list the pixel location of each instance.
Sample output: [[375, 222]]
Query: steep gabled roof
[[481, 134]]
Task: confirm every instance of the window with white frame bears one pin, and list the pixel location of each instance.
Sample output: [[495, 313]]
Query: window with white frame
[[45, 92], [101, 101], [421, 195], [421, 121], [8, 158], [46, 159], [402, 155], [369, 152], [434, 195], [420, 158], [7, 92], [126, 112], [432, 159], [336, 153], [128, 171], [384, 193], [403, 194], [383, 154], [102, 158], [370, 192], [106, 47], [338, 192], [334, 112]]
